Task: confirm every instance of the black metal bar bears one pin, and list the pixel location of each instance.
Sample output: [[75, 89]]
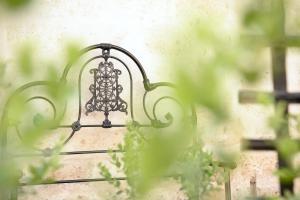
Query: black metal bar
[[68, 153], [280, 84], [227, 186], [248, 96], [72, 181], [257, 144], [101, 126]]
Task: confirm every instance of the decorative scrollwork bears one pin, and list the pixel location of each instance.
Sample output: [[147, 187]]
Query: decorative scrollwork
[[168, 117], [106, 91]]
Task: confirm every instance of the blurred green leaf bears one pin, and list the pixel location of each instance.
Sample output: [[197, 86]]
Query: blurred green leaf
[[72, 50], [9, 174], [287, 147], [25, 60], [278, 121], [38, 119], [286, 174], [197, 170], [15, 4], [265, 100], [2, 70], [40, 173]]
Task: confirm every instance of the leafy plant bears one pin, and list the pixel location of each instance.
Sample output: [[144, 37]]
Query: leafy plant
[[151, 155]]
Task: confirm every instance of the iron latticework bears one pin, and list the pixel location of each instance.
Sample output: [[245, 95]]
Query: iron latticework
[[278, 48]]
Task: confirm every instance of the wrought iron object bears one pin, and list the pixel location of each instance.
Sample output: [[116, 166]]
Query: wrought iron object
[[106, 92], [105, 96]]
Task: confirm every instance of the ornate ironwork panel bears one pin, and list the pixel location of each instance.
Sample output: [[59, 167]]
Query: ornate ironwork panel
[[106, 91]]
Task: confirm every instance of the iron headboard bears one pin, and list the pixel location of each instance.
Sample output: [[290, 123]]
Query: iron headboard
[[105, 96]]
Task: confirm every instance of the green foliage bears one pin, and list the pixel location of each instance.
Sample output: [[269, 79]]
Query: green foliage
[[25, 59], [9, 174], [72, 50], [278, 121], [265, 100], [39, 173], [21, 114], [289, 196], [2, 72], [286, 174], [197, 170], [151, 155], [15, 4], [104, 171], [288, 147], [264, 18]]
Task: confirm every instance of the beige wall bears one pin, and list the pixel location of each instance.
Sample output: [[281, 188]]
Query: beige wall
[[137, 26]]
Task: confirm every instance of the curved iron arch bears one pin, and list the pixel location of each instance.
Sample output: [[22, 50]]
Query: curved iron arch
[[108, 47]]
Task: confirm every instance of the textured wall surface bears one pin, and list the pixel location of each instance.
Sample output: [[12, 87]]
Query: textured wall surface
[[140, 27]]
